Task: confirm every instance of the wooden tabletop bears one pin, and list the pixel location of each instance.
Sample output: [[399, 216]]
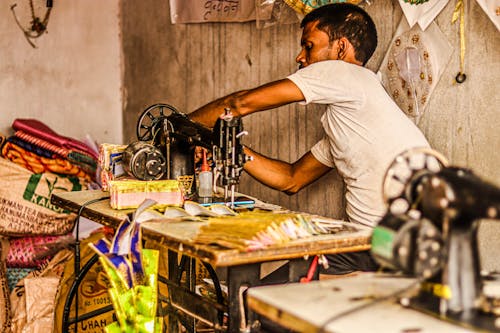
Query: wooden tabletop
[[100, 211], [335, 306], [179, 236]]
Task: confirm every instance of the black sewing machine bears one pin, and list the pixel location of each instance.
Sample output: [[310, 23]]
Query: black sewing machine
[[165, 150], [430, 231]]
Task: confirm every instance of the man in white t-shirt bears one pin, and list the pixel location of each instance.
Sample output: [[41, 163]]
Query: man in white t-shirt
[[364, 128]]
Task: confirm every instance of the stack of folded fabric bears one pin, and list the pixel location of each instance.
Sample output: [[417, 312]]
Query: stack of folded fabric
[[36, 162], [39, 149]]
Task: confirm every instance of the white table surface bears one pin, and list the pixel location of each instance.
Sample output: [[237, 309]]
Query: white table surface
[[307, 307]]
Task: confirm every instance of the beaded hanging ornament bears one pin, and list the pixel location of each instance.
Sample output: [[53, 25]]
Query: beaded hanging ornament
[[409, 73], [415, 2]]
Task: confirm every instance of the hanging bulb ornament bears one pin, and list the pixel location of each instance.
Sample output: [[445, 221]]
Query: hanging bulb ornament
[[459, 14], [37, 26]]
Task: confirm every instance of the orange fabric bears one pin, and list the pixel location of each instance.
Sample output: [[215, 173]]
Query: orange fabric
[[38, 164]]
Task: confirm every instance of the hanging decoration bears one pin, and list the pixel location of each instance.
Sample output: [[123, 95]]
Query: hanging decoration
[[274, 12], [459, 14], [305, 6], [421, 12], [37, 26], [410, 73], [413, 65]]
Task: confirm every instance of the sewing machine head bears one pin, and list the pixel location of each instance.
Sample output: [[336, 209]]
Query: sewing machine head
[[430, 230], [167, 140]]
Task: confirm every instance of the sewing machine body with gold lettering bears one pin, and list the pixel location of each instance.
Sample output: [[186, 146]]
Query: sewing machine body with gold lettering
[[167, 142]]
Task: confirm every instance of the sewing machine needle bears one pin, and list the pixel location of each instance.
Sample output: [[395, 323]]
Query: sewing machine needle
[[232, 196]]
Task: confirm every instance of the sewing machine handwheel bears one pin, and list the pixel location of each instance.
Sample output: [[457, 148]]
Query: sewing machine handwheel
[[150, 118], [402, 170]]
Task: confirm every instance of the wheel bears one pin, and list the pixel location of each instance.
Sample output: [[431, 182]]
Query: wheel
[[150, 118], [406, 167]]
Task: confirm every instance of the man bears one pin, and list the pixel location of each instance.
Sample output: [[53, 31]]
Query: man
[[365, 130]]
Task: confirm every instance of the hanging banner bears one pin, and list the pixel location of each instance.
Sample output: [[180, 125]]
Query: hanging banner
[[199, 11]]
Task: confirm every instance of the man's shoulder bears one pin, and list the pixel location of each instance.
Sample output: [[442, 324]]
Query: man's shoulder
[[340, 68]]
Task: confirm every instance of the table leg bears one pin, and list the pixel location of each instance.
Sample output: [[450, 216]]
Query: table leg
[[175, 272], [239, 279]]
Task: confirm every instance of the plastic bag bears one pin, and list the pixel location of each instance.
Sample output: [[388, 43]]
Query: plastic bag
[[272, 12]]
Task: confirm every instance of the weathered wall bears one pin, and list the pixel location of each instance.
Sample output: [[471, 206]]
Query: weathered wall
[[188, 65], [72, 80]]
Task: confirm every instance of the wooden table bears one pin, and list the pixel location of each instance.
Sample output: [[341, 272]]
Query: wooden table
[[329, 305], [100, 211], [243, 268]]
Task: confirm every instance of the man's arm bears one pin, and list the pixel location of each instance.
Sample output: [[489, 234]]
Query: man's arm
[[241, 103], [282, 176]]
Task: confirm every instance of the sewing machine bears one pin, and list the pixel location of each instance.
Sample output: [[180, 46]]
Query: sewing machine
[[430, 231], [167, 140]]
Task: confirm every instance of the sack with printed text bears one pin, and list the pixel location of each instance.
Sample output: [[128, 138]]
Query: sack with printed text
[[25, 207], [95, 310]]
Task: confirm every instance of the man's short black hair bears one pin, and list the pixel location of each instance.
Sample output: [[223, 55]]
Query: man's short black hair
[[346, 20]]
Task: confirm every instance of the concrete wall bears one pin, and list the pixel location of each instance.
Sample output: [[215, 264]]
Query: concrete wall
[[72, 80], [188, 65]]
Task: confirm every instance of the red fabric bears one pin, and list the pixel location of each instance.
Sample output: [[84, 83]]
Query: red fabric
[[42, 144], [29, 252], [42, 131]]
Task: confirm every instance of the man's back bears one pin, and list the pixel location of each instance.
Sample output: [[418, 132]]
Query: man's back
[[364, 129]]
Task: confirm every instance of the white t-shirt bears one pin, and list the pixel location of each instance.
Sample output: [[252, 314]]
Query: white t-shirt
[[365, 131]]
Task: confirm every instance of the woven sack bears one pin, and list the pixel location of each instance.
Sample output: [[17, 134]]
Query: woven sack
[[31, 252], [19, 303], [5, 321], [25, 207], [95, 309]]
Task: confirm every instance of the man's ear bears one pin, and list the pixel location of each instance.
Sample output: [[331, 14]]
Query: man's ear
[[346, 51], [342, 47]]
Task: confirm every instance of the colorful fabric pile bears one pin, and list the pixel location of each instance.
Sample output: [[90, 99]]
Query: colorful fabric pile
[[39, 149], [250, 231], [35, 163], [27, 254], [33, 252], [129, 193]]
